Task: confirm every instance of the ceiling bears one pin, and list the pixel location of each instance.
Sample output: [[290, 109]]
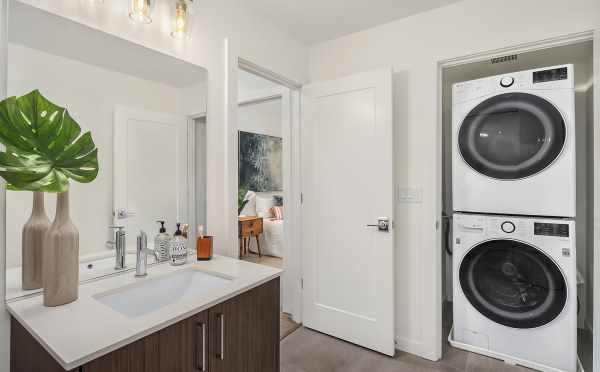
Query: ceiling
[[313, 21], [62, 37]]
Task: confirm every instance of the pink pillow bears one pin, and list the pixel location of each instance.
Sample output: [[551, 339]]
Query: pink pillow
[[277, 213]]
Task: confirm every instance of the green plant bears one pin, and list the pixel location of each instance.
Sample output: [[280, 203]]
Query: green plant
[[242, 191], [44, 146]]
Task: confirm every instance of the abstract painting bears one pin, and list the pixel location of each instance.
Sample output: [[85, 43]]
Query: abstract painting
[[260, 162]]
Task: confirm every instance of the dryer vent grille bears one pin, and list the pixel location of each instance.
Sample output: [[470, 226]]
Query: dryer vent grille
[[503, 59]]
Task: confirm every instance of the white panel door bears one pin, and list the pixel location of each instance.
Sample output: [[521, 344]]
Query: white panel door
[[347, 165], [151, 171]]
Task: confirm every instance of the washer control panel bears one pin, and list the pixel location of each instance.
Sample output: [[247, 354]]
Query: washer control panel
[[507, 81], [551, 229], [508, 227]]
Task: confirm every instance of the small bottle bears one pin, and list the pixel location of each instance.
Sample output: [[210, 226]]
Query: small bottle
[[161, 243], [204, 245], [178, 248]]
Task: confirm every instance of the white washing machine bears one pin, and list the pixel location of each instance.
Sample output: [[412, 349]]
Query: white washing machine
[[514, 143], [515, 289]]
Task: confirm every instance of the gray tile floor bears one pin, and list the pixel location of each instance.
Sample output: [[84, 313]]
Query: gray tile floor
[[308, 351]]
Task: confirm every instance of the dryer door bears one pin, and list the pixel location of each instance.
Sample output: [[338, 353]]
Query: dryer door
[[513, 283], [512, 136]]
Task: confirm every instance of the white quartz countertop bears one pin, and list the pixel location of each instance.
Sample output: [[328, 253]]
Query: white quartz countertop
[[86, 329]]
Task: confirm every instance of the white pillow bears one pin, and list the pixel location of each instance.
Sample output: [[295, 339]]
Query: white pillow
[[250, 207], [264, 203]]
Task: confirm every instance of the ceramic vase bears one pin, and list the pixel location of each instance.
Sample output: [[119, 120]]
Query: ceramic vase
[[32, 243], [61, 257]]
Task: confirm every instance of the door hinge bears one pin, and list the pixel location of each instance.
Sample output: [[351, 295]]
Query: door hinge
[[301, 198], [301, 283], [437, 225]]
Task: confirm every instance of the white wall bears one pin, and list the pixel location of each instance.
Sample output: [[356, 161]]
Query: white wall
[[90, 94], [200, 168], [588, 91], [413, 47], [262, 117]]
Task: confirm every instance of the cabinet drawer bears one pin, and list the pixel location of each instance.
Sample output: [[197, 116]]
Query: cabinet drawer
[[251, 227]]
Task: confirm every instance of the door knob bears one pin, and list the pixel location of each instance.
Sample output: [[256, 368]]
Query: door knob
[[123, 213], [383, 224]]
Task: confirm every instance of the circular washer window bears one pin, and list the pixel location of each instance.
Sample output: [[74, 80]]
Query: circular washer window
[[513, 283], [512, 136]]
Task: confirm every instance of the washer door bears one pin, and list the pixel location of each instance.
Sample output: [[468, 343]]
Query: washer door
[[512, 136], [513, 284]]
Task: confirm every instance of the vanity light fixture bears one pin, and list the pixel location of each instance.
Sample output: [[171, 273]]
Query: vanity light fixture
[[182, 12], [140, 11]]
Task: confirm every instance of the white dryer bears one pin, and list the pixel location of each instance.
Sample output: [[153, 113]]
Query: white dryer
[[515, 289], [514, 143]]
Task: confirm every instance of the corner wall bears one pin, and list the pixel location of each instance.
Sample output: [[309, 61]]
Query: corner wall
[[413, 47]]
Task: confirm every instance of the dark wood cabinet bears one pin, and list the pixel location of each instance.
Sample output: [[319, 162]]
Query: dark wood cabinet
[[136, 357], [238, 335], [244, 336]]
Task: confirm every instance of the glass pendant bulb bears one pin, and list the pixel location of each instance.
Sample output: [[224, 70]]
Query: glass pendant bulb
[[140, 10], [181, 20]]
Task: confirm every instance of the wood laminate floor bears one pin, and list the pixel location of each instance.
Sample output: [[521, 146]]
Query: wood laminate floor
[[308, 351], [275, 262]]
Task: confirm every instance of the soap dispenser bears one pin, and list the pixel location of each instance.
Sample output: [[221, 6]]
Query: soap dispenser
[[161, 243], [178, 248]]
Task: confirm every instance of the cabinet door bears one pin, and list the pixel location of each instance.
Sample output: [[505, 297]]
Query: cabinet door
[[228, 335], [139, 356], [263, 328], [245, 331], [184, 345]]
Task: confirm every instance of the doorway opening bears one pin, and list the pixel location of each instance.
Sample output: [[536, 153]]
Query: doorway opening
[[267, 196], [461, 254]]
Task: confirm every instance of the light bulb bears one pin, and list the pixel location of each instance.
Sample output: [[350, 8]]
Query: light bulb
[[140, 11], [181, 20]]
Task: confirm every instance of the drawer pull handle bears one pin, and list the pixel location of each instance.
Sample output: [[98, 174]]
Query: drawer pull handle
[[221, 355], [202, 367]]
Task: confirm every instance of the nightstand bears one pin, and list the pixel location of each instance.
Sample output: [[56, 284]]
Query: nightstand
[[249, 227]]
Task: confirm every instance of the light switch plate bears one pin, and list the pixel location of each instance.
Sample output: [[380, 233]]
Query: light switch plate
[[410, 195]]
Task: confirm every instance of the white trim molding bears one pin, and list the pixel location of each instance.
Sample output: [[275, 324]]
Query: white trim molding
[[596, 224]]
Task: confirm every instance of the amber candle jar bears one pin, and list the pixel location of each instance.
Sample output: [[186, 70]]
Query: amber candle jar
[[204, 248]]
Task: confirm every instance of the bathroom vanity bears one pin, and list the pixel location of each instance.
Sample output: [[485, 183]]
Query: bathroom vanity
[[217, 316]]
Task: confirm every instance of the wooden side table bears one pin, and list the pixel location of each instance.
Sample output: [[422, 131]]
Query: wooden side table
[[249, 227]]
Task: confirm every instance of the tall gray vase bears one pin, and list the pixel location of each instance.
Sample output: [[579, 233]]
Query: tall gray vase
[[61, 257], [32, 242]]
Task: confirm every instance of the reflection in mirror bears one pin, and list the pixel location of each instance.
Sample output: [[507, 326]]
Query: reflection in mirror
[[147, 115]]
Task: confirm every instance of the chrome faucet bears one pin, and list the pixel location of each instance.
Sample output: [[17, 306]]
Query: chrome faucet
[[141, 255], [120, 247]]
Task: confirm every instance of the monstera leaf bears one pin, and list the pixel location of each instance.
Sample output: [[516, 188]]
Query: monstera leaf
[[44, 146]]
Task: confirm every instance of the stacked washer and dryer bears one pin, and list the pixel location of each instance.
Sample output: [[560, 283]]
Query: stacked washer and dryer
[[513, 196]]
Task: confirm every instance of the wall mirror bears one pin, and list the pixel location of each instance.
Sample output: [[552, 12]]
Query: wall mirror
[[146, 113]]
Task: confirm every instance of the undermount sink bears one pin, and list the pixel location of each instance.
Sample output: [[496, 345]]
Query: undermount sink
[[152, 294]]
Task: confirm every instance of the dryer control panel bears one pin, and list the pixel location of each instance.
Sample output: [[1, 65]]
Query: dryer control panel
[[551, 229]]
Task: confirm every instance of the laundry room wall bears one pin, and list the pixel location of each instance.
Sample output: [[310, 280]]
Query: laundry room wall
[[413, 47], [588, 90], [580, 55]]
